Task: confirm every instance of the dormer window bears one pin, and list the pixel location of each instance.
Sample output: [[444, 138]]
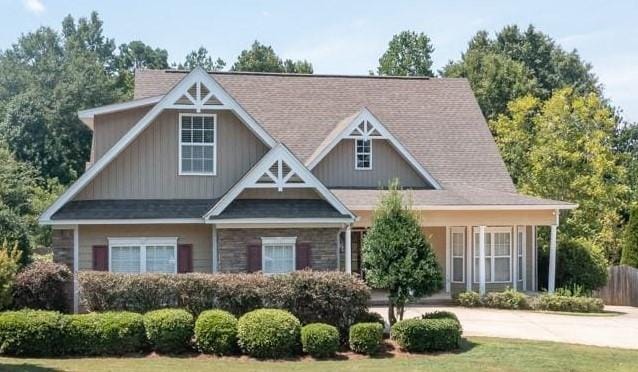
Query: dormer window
[[363, 154], [197, 144]]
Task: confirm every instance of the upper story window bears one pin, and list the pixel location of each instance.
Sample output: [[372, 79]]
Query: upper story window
[[198, 144], [363, 154]]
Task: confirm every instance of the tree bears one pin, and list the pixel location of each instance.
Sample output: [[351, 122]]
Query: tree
[[262, 58], [397, 255], [408, 54], [9, 265], [580, 264], [626, 146], [137, 55], [201, 58], [630, 246]]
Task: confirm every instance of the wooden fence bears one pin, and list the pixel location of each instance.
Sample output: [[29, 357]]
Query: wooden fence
[[622, 287]]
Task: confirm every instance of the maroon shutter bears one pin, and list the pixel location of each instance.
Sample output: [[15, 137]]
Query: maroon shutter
[[254, 256], [100, 258], [184, 258], [302, 255]]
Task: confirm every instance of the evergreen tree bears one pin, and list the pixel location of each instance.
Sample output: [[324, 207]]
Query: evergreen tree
[[630, 246]]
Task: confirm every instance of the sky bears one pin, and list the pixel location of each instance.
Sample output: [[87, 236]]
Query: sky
[[348, 37]]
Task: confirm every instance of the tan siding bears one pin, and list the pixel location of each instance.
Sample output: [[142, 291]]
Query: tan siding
[[148, 167], [337, 168], [109, 128], [197, 235]]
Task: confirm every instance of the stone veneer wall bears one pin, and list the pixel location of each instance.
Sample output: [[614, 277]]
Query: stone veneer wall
[[233, 243], [62, 243]]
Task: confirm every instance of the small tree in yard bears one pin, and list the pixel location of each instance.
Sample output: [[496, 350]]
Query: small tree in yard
[[630, 246], [397, 255]]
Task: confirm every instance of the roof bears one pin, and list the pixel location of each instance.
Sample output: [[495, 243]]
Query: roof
[[438, 119], [462, 198], [133, 209], [280, 208]]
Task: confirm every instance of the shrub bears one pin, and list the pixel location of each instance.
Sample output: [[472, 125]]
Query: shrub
[[320, 340], [419, 335], [31, 333], [630, 242], [555, 302], [366, 338], [169, 330], [508, 299], [104, 333], [9, 264], [581, 263], [370, 317], [328, 297], [440, 314], [268, 333], [469, 299], [216, 332], [42, 285]]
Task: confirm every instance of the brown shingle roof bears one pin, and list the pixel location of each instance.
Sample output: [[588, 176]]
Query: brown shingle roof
[[437, 120]]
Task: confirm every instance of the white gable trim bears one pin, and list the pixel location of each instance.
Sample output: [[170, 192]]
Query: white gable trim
[[197, 76], [88, 115], [279, 155], [377, 131]]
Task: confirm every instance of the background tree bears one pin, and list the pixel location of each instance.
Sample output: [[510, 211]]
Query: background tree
[[9, 265], [262, 58], [408, 54], [137, 55], [630, 246], [397, 255], [200, 57], [626, 146]]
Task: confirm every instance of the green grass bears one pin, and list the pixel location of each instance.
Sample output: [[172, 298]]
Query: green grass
[[478, 353]]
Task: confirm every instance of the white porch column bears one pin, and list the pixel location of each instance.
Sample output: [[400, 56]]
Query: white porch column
[[76, 267], [215, 260], [551, 282], [482, 259], [534, 261], [448, 244], [515, 258], [469, 236], [348, 249]]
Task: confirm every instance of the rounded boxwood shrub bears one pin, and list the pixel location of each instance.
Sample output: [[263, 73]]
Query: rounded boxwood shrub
[[366, 338], [320, 340], [113, 333], [419, 335], [169, 330], [216, 332], [440, 314], [31, 333], [268, 333]]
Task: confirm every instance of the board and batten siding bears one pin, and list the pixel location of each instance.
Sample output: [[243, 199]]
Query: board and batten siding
[[109, 128], [337, 169], [148, 167], [199, 235]]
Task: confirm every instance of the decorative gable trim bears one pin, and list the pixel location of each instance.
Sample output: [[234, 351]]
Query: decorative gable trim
[[367, 126], [197, 78], [279, 169]]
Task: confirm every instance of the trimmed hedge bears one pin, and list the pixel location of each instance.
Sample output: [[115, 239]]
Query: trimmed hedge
[[42, 285], [508, 299], [216, 332], [31, 333], [419, 335], [440, 314], [554, 302], [366, 338], [169, 330], [329, 297], [111, 333], [269, 333], [320, 340]]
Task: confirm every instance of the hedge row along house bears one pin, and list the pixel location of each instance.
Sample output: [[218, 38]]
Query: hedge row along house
[[244, 172]]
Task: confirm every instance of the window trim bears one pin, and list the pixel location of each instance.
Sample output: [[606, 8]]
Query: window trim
[[142, 243], [356, 153], [292, 240], [180, 172], [476, 254], [523, 248], [456, 230]]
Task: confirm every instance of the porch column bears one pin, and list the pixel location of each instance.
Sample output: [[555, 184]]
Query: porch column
[[551, 282], [215, 262], [448, 247], [482, 259], [76, 267], [349, 249], [515, 258], [469, 236]]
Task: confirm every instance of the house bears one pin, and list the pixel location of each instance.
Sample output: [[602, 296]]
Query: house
[[236, 172]]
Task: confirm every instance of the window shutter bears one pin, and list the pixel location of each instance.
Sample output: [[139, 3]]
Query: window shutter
[[302, 255], [254, 256], [100, 258], [184, 258]]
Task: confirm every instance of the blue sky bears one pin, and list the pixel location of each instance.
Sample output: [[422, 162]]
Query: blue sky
[[347, 37]]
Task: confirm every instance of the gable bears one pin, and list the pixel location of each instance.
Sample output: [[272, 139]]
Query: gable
[[337, 168], [110, 128]]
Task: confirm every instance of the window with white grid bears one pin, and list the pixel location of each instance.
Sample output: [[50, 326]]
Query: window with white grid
[[141, 255], [197, 144], [363, 154], [498, 255], [457, 245], [278, 255]]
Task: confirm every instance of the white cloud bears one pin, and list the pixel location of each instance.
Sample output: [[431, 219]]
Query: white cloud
[[34, 6]]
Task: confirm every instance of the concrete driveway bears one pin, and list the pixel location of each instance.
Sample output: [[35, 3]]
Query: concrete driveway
[[613, 331]]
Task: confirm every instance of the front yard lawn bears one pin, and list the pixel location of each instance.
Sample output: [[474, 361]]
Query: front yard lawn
[[478, 353]]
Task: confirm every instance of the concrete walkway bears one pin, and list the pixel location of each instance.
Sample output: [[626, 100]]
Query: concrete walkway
[[613, 331]]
